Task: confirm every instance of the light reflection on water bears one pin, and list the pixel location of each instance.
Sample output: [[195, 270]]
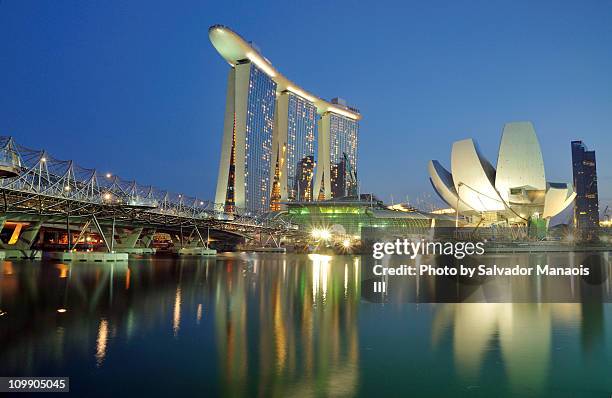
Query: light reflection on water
[[101, 342], [277, 325]]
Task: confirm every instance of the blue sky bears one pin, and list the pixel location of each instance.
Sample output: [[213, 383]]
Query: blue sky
[[137, 89]]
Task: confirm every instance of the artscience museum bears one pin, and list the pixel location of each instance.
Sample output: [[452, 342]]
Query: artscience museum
[[515, 192]]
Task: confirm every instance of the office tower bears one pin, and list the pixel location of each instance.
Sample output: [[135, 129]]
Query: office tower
[[586, 205], [273, 133]]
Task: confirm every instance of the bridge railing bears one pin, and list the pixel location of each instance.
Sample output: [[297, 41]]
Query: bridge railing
[[33, 171]]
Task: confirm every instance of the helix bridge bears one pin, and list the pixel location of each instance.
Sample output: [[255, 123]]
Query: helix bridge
[[40, 191]]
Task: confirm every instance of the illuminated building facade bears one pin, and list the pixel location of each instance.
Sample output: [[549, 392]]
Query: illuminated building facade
[[337, 176], [353, 216], [513, 193], [247, 142], [586, 206], [280, 143], [296, 132]]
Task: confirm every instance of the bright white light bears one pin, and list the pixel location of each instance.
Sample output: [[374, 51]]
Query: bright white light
[[342, 112], [261, 64], [325, 234], [61, 310], [107, 196], [322, 233], [108, 175], [66, 188], [301, 93], [346, 243], [43, 159]]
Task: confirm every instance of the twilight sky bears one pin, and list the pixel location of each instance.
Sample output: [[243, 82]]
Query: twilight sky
[[137, 89]]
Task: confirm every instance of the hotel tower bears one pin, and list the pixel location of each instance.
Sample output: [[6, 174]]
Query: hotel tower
[[280, 142]]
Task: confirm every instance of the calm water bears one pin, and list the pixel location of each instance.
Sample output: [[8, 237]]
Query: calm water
[[285, 325]]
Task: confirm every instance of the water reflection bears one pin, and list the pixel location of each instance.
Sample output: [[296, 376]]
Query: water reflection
[[523, 332], [279, 324], [176, 318], [273, 325], [297, 328], [101, 342]]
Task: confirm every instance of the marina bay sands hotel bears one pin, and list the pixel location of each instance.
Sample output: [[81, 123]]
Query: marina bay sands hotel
[[280, 142]]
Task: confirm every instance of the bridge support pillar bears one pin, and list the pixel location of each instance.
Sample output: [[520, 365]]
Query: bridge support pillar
[[146, 238], [126, 241], [86, 256], [193, 245], [194, 251], [20, 243], [127, 238]]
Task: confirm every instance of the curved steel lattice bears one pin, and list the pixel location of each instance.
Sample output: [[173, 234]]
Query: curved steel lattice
[[35, 181]]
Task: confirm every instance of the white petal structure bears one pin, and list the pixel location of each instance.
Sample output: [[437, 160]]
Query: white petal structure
[[473, 177], [519, 163], [442, 181], [516, 191], [558, 197]]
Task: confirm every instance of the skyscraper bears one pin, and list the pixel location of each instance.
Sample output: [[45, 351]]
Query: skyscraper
[[337, 176], [296, 132], [586, 206], [273, 133], [247, 142]]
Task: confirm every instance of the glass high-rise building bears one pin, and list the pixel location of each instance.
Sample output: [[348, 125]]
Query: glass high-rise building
[[297, 145], [280, 143], [586, 205], [338, 134], [258, 139], [343, 155], [244, 173]]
